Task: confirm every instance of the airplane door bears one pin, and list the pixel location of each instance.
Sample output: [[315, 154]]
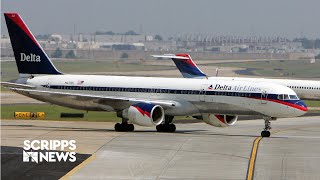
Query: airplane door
[[48, 83], [264, 96], [202, 94]]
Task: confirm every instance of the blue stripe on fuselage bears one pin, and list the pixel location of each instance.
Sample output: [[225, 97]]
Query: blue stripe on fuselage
[[270, 97]]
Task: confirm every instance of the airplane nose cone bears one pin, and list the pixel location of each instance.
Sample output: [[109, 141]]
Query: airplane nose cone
[[302, 107]]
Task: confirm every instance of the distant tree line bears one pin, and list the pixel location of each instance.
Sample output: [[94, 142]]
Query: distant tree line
[[131, 32], [58, 54], [42, 36], [158, 37], [123, 47], [308, 43], [124, 55]]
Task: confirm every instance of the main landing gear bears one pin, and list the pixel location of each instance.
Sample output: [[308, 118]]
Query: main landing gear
[[168, 126], [124, 126], [267, 126]]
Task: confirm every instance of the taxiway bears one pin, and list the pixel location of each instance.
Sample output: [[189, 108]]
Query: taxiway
[[195, 151]]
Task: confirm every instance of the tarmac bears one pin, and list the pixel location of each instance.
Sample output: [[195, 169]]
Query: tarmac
[[194, 151]]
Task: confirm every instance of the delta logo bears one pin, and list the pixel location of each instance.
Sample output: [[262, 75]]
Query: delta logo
[[29, 58]]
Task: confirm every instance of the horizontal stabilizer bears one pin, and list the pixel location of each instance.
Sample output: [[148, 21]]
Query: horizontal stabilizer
[[16, 85], [170, 56]]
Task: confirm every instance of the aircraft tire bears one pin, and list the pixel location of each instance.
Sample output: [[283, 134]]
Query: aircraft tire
[[123, 127], [130, 127], [265, 134], [166, 128], [117, 127], [160, 128], [172, 128]]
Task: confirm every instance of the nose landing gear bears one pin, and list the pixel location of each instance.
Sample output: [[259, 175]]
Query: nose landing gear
[[267, 126]]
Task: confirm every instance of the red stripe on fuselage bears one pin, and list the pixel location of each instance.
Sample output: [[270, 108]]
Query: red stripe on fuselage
[[284, 103], [17, 19]]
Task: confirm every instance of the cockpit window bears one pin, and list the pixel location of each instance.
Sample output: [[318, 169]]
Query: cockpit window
[[280, 96], [286, 97], [293, 97]]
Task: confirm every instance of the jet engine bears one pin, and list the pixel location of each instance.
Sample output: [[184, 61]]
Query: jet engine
[[145, 114], [219, 120]]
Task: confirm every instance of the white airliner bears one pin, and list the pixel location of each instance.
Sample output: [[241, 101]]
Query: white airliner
[[145, 101], [305, 89]]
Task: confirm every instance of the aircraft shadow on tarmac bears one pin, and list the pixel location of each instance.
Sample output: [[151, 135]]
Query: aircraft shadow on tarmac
[[189, 132]]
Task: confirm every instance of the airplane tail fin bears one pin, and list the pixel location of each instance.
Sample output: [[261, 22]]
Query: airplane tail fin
[[29, 56], [185, 64]]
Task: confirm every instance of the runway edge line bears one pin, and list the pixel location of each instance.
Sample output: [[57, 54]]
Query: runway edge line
[[252, 160]]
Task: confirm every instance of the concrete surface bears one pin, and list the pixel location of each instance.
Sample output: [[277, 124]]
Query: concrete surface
[[195, 151]]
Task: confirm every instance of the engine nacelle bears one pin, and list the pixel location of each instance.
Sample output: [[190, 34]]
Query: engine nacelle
[[219, 120], [145, 114]]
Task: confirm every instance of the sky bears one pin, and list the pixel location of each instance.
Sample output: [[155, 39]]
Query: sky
[[288, 18]]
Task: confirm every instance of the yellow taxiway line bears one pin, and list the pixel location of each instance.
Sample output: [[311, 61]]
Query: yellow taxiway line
[[77, 168], [253, 158]]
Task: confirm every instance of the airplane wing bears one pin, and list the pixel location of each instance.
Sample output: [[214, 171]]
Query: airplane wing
[[17, 85], [112, 101]]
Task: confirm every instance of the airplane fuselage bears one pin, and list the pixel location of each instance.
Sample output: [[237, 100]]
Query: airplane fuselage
[[194, 96]]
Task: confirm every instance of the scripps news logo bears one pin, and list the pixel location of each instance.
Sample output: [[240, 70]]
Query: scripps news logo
[[30, 58], [49, 151]]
